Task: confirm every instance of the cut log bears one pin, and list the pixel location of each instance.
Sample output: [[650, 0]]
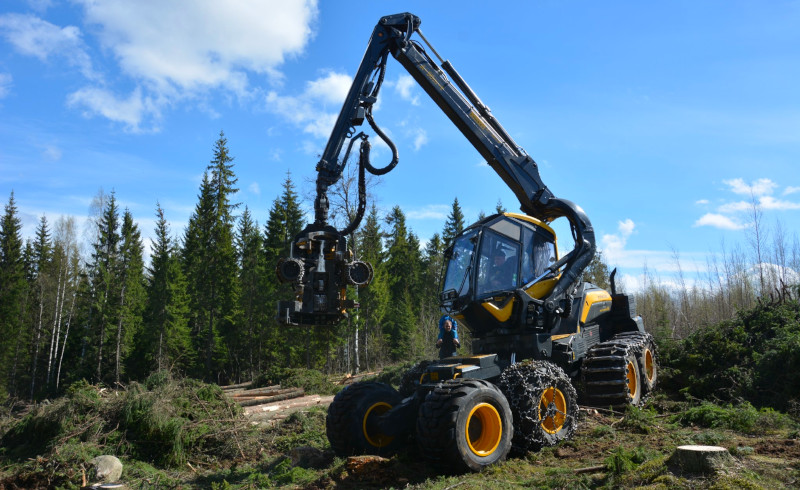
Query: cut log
[[701, 459], [272, 391], [261, 400], [280, 410], [237, 386], [247, 389]]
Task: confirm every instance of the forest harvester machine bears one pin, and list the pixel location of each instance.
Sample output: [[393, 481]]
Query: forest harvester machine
[[539, 332]]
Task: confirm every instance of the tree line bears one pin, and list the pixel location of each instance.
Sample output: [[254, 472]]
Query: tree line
[[205, 304]]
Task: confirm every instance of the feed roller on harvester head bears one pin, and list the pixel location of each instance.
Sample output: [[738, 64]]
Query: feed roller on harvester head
[[537, 329]]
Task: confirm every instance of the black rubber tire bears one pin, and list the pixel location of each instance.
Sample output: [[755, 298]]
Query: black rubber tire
[[648, 365], [465, 425], [543, 402], [634, 377], [347, 421], [644, 347], [610, 374], [410, 380]]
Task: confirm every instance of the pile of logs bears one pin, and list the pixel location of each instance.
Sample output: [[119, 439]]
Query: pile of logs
[[270, 404], [248, 397]]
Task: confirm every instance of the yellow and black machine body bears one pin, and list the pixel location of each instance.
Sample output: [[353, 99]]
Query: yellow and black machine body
[[538, 331]]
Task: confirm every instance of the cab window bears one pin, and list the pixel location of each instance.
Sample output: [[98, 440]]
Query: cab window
[[499, 264]]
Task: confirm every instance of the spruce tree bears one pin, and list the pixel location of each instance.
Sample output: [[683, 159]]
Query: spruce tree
[[251, 304], [210, 265], [285, 221], [40, 307], [131, 291], [164, 341], [454, 224], [374, 298], [12, 290], [401, 270], [105, 284], [597, 272]]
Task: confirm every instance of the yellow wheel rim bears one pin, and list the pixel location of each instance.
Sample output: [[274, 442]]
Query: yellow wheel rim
[[376, 438], [554, 422], [633, 383], [484, 429], [649, 365]]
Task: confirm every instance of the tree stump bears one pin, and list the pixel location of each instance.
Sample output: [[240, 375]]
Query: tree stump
[[701, 459]]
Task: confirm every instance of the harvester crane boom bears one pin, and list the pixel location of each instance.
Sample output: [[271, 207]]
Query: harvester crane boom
[[392, 35]]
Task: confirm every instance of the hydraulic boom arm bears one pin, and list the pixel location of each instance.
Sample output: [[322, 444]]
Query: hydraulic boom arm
[[318, 266]]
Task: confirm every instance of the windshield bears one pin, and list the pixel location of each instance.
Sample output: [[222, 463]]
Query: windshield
[[499, 264], [459, 263]]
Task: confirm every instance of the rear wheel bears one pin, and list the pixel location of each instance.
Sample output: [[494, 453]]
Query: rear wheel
[[543, 402], [351, 422], [648, 365], [634, 379], [465, 425], [644, 347], [611, 375]]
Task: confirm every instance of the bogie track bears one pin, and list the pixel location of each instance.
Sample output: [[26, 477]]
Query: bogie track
[[620, 371]]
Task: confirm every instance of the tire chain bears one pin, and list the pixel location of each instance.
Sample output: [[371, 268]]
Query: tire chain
[[605, 366], [523, 385], [641, 341]]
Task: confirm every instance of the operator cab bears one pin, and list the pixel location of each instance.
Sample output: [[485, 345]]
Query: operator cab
[[491, 260]]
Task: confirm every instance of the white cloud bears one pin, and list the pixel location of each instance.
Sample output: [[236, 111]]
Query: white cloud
[[52, 153], [758, 188], [254, 188], [420, 138], [5, 84], [207, 44], [404, 85], [311, 148], [701, 202], [769, 202], [735, 207], [170, 51], [332, 88], [40, 5], [790, 190], [718, 221], [613, 245], [312, 110], [129, 111], [431, 211], [33, 36]]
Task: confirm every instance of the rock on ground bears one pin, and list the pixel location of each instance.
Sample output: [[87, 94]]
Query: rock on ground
[[105, 469]]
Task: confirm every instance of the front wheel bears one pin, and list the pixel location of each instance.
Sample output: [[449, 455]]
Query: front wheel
[[351, 422], [544, 404], [465, 425]]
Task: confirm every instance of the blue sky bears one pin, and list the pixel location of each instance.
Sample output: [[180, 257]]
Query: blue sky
[[664, 121]]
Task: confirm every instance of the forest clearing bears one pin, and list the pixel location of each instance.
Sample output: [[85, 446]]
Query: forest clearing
[[180, 433]]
